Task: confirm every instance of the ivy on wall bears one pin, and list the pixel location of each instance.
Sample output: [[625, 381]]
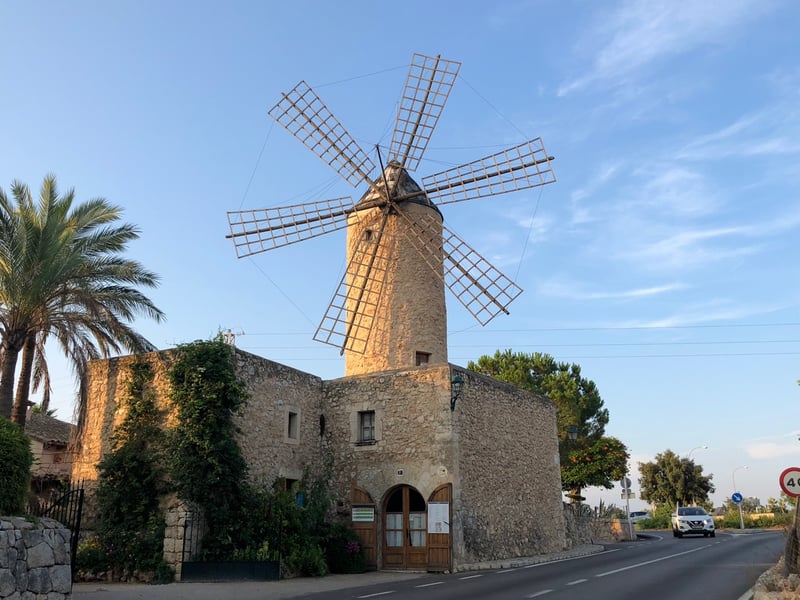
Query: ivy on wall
[[206, 463], [200, 460], [130, 524]]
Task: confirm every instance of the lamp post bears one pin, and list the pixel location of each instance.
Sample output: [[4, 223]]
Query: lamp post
[[733, 479], [689, 456]]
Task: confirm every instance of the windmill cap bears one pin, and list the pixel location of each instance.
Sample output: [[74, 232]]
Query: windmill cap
[[402, 188]]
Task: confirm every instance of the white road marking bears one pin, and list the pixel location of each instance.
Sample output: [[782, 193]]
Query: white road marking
[[650, 562], [577, 581], [471, 577], [560, 560], [537, 594], [376, 594], [429, 584]]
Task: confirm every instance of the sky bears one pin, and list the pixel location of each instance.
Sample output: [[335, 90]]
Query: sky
[[664, 261]]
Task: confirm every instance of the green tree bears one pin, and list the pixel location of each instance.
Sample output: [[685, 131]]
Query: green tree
[[15, 467], [62, 274], [592, 459], [671, 480]]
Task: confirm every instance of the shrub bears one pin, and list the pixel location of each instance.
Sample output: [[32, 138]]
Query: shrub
[[15, 468], [343, 551], [307, 560], [90, 556]]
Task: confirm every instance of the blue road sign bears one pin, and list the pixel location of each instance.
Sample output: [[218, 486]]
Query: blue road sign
[[737, 498]]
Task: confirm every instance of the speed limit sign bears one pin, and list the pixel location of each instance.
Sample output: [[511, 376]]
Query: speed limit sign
[[790, 481]]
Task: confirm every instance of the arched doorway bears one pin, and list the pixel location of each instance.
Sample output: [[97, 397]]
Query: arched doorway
[[440, 516], [364, 524], [405, 521]]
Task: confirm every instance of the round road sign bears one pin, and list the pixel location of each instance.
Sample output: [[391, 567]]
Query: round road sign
[[790, 481], [737, 498]]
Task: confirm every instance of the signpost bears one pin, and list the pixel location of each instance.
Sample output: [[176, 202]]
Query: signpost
[[627, 495], [790, 484], [790, 481], [737, 498]]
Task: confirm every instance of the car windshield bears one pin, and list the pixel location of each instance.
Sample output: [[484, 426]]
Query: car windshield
[[691, 511]]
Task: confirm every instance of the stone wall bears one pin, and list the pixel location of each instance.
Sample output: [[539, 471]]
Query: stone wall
[[498, 449], [509, 495], [107, 381], [34, 559], [275, 391], [413, 444]]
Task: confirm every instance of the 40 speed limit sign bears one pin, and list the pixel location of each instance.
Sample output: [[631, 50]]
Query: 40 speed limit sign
[[790, 481]]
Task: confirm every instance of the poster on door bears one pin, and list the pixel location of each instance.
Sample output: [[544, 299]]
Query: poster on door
[[438, 517]]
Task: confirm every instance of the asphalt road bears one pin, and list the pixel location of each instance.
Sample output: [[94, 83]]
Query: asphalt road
[[661, 568]]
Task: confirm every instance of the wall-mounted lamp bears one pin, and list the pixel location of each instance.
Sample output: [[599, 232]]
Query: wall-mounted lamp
[[572, 433], [456, 385]]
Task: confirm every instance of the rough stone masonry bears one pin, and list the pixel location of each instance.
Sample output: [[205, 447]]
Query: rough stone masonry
[[34, 559]]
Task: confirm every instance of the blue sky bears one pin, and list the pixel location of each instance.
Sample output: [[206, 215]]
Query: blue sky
[[664, 260]]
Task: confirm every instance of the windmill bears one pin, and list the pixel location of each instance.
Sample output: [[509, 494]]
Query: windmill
[[388, 311]]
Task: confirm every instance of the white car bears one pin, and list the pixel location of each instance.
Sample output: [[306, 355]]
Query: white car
[[639, 515], [692, 519]]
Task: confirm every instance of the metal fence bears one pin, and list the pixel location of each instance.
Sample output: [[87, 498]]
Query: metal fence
[[67, 509]]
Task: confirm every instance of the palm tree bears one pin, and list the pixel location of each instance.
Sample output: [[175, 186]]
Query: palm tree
[[62, 274]]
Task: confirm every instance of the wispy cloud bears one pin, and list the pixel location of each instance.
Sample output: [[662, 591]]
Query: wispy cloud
[[639, 33], [560, 289], [773, 450], [772, 131], [704, 313]]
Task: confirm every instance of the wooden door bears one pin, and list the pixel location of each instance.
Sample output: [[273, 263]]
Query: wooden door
[[365, 524], [440, 516], [405, 529]]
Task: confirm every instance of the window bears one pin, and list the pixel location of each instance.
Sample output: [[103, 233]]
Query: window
[[366, 427], [291, 425], [422, 359]]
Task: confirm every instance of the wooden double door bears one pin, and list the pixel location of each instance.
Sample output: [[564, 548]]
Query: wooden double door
[[410, 540]]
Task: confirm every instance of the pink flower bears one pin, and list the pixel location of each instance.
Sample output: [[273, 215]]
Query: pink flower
[[352, 547]]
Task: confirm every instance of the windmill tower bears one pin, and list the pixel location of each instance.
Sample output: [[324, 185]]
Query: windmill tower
[[388, 311]]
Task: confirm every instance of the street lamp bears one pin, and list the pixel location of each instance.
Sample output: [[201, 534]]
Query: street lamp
[[733, 479], [689, 454], [688, 457], [572, 433]]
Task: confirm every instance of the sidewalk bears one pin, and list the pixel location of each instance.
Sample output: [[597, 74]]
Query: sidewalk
[[286, 588], [241, 590]]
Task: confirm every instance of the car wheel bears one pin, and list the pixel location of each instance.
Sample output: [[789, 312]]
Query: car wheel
[[674, 533], [679, 534], [713, 534]]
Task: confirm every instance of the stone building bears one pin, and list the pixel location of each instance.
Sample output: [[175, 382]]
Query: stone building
[[52, 458], [427, 479], [425, 487]]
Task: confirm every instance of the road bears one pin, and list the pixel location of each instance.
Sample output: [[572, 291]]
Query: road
[[659, 568]]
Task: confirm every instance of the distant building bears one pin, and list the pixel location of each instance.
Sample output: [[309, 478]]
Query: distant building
[[52, 464]]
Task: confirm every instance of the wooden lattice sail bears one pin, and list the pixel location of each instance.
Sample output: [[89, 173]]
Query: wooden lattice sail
[[389, 311]]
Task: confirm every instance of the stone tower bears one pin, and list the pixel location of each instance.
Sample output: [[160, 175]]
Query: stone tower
[[401, 306]]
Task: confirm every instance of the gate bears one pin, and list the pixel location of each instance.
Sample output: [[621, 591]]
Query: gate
[[195, 566], [67, 509]]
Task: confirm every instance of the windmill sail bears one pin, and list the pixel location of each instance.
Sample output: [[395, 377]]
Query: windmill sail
[[390, 304], [427, 88]]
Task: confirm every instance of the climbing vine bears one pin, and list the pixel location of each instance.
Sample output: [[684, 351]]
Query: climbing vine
[[130, 524], [206, 464]]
